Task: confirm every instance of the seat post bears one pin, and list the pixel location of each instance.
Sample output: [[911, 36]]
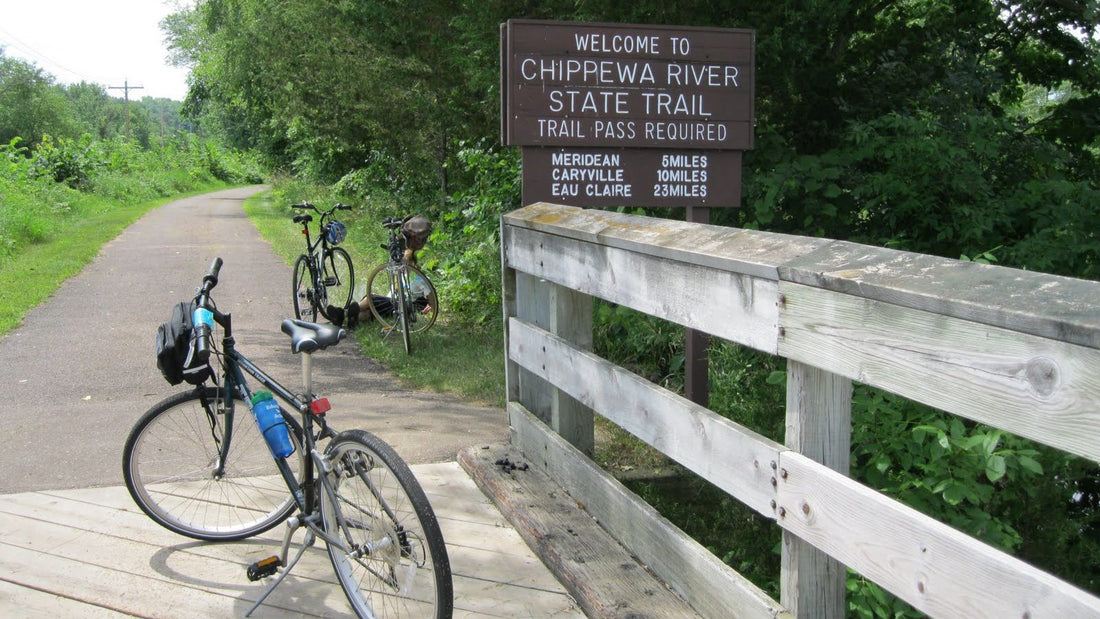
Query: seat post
[[307, 374]]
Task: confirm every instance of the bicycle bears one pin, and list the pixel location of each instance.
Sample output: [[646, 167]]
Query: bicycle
[[323, 275], [402, 297], [198, 466]]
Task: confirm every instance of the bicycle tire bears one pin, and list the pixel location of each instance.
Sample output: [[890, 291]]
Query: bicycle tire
[[374, 490], [305, 295], [168, 463], [403, 309], [381, 283], [338, 278]]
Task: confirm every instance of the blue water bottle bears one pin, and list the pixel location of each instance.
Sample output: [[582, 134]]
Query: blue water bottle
[[266, 410]]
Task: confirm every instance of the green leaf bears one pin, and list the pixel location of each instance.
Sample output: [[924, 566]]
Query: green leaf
[[1030, 464], [954, 493]]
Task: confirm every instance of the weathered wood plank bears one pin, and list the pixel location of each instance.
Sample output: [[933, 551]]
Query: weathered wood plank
[[724, 303], [88, 549], [819, 426], [714, 589], [568, 314], [724, 453], [1033, 387], [30, 603], [936, 569], [602, 576], [750, 252], [1060, 308]]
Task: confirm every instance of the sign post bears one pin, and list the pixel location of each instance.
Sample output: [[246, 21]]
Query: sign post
[[614, 115]]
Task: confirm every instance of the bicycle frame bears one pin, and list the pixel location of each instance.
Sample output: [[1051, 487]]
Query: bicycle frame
[[233, 381]]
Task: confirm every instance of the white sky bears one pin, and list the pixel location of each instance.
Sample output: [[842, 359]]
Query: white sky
[[107, 42]]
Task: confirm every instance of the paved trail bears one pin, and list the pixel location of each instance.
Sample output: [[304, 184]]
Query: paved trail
[[81, 369]]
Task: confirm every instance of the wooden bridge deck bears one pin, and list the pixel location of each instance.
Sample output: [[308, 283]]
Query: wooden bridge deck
[[93, 553]]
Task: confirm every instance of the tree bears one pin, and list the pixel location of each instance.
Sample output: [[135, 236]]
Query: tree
[[30, 104]]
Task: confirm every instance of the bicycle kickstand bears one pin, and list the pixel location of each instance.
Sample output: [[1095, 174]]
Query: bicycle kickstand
[[268, 566]]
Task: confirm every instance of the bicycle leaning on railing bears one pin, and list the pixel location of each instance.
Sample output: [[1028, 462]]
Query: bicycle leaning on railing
[[323, 275], [201, 465], [402, 297]]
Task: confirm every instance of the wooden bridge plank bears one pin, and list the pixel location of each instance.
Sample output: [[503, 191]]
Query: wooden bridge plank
[[933, 567], [1031, 386], [713, 588], [1062, 308], [604, 578], [724, 303]]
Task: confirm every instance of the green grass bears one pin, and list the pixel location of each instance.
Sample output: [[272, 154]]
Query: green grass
[[39, 269], [464, 360]]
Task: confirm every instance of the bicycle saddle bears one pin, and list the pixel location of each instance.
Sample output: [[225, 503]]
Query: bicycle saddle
[[308, 336]]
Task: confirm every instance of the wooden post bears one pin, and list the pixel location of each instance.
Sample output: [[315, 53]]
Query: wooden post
[[696, 355], [567, 314], [819, 420]]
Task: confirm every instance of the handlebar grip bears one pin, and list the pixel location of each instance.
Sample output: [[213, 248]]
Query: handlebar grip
[[211, 278], [302, 205], [343, 207]]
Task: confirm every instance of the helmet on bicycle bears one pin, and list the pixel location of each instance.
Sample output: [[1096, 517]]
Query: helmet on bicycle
[[336, 232]]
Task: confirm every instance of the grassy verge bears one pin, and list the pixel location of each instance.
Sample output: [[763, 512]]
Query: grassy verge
[[467, 361], [31, 276]]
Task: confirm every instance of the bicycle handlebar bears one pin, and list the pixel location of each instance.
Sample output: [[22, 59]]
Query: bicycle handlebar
[[203, 323], [395, 222], [339, 206]]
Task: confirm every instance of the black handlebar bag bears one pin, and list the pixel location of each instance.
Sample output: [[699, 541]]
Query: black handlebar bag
[[175, 356]]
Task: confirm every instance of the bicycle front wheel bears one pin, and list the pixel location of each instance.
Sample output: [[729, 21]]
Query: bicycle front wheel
[[393, 560], [404, 309], [383, 291], [305, 296], [338, 277], [170, 464]]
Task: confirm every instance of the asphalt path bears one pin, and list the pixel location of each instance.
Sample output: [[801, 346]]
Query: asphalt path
[[81, 369]]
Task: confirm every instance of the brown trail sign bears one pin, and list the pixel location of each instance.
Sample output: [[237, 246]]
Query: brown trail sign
[[665, 111]]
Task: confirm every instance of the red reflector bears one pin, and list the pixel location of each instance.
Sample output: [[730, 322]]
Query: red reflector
[[320, 406]]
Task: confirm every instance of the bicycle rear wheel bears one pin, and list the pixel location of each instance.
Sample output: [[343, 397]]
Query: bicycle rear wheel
[[395, 563], [305, 295], [169, 464], [338, 277]]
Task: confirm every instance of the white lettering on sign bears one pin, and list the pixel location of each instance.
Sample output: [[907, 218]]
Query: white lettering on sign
[[681, 176], [713, 75], [587, 72], [593, 175], [589, 101], [618, 43]]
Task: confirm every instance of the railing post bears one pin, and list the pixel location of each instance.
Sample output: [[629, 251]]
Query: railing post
[[567, 314], [819, 426]]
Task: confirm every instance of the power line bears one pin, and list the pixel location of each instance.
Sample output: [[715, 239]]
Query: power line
[[126, 88], [26, 50]]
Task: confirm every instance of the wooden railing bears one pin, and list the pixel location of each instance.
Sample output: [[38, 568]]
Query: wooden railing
[[1015, 350]]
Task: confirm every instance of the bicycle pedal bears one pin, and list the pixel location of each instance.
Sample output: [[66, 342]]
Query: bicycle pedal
[[264, 568]]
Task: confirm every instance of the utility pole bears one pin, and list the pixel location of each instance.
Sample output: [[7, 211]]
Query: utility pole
[[126, 88]]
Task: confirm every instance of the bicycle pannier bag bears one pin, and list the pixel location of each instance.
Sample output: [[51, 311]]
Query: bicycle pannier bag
[[416, 231], [174, 348]]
